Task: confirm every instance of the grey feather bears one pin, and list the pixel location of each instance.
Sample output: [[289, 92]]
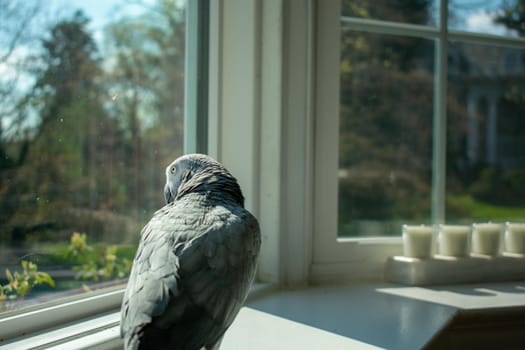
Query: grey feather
[[195, 261]]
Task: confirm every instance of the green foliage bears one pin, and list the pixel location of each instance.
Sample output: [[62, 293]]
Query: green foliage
[[385, 140], [78, 247], [498, 187], [96, 264], [385, 130], [512, 15], [20, 284], [95, 128], [376, 193], [465, 206]]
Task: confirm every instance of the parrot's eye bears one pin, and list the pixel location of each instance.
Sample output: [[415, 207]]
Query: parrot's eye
[[173, 170]]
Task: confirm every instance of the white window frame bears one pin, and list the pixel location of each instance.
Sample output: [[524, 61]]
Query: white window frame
[[363, 258], [67, 311], [262, 102], [274, 95], [273, 120]]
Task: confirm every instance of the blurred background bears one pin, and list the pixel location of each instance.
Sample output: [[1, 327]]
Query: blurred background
[[91, 112], [387, 102]]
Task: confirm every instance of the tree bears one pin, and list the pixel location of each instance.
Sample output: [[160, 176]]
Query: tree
[[18, 19], [385, 138], [64, 167], [147, 81], [512, 15], [68, 97], [100, 132]]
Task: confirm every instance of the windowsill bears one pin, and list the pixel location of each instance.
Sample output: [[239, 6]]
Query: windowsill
[[89, 321], [367, 316], [397, 240]]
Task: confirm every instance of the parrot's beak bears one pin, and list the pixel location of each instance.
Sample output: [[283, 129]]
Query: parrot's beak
[[167, 194]]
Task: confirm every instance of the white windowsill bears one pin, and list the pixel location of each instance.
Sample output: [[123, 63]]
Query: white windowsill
[[43, 317], [368, 316], [397, 240], [80, 322]]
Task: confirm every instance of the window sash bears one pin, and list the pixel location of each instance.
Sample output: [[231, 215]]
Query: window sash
[[59, 312], [441, 36], [362, 258]]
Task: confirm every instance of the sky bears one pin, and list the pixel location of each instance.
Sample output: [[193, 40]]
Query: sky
[[470, 15], [100, 12], [483, 22], [478, 16], [473, 15]]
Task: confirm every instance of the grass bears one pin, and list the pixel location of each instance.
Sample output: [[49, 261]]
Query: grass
[[475, 209], [56, 253], [460, 209]]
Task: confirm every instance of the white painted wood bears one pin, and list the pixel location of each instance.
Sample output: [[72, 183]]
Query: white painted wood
[[72, 332], [283, 334], [297, 150], [261, 122], [214, 81], [450, 270], [237, 71], [59, 312], [326, 133], [271, 139], [245, 110], [336, 259], [367, 316]]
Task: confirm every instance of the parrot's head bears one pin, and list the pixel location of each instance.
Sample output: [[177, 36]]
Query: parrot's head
[[200, 173], [177, 172]]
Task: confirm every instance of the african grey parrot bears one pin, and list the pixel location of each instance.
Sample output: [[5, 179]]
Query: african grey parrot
[[195, 261]]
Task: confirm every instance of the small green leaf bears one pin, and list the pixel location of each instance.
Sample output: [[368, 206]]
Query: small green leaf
[[8, 275]]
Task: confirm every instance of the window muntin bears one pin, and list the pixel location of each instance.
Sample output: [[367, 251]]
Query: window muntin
[[96, 118], [354, 47]]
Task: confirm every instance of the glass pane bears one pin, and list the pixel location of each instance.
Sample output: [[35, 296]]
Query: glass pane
[[423, 12], [496, 17], [385, 140], [92, 111], [485, 137]]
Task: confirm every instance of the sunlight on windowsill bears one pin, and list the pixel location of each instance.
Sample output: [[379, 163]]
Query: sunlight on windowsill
[[361, 316]]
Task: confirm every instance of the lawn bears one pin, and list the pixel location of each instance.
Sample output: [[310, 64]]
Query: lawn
[[476, 210]]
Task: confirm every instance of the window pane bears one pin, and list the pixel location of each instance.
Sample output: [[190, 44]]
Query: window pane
[[485, 141], [385, 139], [496, 17], [423, 12], [92, 111]]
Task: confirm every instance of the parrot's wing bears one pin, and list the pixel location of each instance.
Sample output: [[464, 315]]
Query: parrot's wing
[[192, 289], [153, 279]]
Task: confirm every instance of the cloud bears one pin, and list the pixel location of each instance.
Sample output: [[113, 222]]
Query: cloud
[[8, 68], [483, 22]]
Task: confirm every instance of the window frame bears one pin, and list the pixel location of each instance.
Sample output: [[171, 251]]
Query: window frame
[[38, 318], [27, 321], [288, 122], [362, 258]]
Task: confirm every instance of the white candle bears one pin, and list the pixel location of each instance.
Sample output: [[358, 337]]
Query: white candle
[[453, 240], [486, 238], [515, 238], [417, 241]]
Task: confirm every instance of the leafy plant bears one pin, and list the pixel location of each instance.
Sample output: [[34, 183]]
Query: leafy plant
[[19, 284], [96, 265]]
